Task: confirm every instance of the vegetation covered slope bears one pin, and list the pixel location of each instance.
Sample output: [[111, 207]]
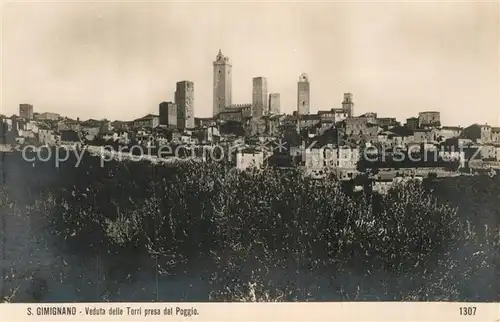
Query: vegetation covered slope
[[435, 242]]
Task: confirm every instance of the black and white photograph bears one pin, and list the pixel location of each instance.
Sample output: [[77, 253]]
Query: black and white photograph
[[251, 151]]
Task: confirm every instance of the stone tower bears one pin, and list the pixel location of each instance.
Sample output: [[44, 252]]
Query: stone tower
[[168, 114], [259, 97], [26, 111], [348, 104], [222, 83], [184, 100], [303, 102], [274, 103]]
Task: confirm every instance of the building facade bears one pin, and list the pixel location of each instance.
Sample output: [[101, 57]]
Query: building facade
[[327, 115], [259, 97], [222, 83], [348, 105], [184, 100], [48, 116], [450, 132], [274, 103], [342, 157], [425, 135], [314, 158], [168, 114], [303, 95], [479, 133], [68, 124], [26, 111], [495, 134], [412, 123], [339, 114], [362, 126], [149, 121], [387, 122], [202, 122], [429, 119], [309, 121], [234, 115]]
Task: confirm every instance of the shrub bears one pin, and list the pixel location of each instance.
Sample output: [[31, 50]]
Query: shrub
[[247, 225]]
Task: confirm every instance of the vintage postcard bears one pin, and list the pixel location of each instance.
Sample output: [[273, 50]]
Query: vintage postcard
[[194, 153]]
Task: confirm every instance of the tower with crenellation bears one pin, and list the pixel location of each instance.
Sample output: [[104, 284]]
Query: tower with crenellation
[[222, 83], [303, 95]]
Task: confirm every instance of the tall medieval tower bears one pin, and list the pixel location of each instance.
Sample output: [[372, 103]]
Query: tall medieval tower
[[348, 104], [260, 99], [222, 83], [303, 96], [184, 101]]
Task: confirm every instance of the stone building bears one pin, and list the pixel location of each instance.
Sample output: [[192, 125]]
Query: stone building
[[259, 97], [184, 100], [68, 124], [233, 115], [245, 160], [303, 95], [121, 125], [449, 132], [412, 123], [339, 114], [255, 126], [361, 126], [495, 134], [325, 126], [202, 122], [397, 136], [347, 157], [480, 133], [370, 117], [314, 158], [105, 127], [274, 103], [149, 121], [425, 135], [488, 152], [309, 121], [327, 115], [48, 116], [168, 114], [222, 83], [273, 124], [387, 122], [429, 119], [344, 158], [235, 112], [354, 130], [26, 111], [348, 104], [46, 136]]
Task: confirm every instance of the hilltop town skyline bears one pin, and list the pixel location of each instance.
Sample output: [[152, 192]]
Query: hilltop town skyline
[[119, 61], [213, 152]]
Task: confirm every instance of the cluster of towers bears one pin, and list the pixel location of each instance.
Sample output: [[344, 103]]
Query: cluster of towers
[[179, 114], [262, 102]]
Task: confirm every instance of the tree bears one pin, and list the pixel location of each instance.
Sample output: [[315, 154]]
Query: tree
[[248, 227]]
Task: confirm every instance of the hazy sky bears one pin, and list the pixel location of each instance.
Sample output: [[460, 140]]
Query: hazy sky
[[119, 60]]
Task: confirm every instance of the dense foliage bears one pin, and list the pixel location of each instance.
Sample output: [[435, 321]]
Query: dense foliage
[[247, 227]]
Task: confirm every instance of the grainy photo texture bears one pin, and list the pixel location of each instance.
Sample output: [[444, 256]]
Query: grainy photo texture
[[265, 152]]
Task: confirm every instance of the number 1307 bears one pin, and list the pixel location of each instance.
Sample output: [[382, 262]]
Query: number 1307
[[468, 310]]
